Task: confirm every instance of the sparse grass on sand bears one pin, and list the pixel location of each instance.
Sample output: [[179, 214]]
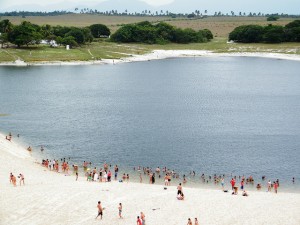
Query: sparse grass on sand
[[108, 50]]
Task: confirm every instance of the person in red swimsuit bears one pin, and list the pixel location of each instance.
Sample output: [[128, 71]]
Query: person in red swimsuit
[[139, 221], [232, 182]]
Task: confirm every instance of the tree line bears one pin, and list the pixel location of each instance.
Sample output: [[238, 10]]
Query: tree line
[[31, 34], [161, 33], [267, 34], [161, 13], [27, 34]]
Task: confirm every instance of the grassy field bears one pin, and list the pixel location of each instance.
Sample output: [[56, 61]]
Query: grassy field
[[100, 49]]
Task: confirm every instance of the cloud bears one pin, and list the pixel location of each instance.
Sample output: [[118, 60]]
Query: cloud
[[157, 2]]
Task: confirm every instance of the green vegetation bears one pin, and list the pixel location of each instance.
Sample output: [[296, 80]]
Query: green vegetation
[[273, 18], [267, 34], [161, 33], [27, 34], [99, 30]]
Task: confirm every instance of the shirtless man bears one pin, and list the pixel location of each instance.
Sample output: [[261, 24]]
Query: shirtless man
[[179, 189], [100, 210], [189, 222]]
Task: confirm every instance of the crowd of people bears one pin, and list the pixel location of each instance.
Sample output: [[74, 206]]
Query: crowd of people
[[105, 174], [108, 172]]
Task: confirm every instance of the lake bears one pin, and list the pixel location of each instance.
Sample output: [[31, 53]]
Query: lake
[[223, 115]]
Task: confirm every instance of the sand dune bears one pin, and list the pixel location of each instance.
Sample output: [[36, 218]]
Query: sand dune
[[53, 198]]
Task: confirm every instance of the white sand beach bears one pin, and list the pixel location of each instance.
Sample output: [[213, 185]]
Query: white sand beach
[[156, 55], [53, 198]]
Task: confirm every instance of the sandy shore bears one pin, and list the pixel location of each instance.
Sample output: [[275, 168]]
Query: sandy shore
[[53, 198], [155, 55]]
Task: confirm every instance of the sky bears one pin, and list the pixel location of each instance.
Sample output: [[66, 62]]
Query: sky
[[265, 6], [8, 3]]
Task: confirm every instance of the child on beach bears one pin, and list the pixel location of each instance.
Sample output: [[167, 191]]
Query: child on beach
[[180, 196], [189, 222], [120, 210], [244, 193]]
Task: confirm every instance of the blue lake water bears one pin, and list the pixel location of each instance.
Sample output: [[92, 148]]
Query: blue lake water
[[224, 115]]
